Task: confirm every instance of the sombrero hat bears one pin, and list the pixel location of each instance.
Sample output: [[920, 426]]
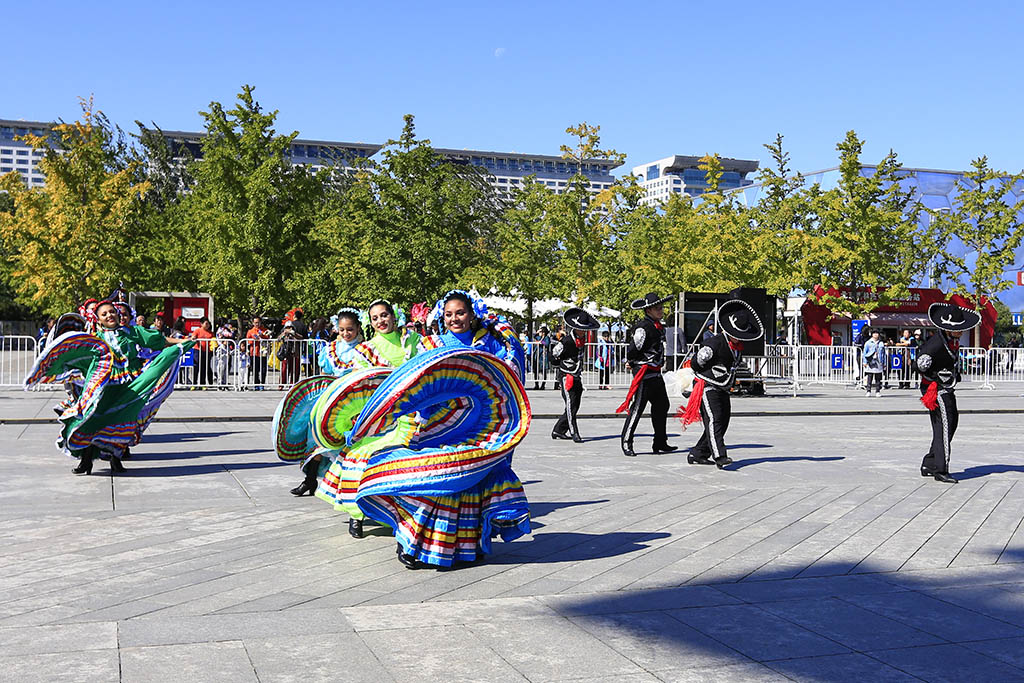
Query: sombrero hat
[[648, 300], [953, 318], [578, 319], [737, 319]]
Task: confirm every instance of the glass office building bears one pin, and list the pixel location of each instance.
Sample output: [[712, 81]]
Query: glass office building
[[937, 191], [680, 174]]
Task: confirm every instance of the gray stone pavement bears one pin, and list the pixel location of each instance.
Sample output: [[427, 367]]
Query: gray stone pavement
[[820, 555]]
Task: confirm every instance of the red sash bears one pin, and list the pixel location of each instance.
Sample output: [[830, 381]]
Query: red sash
[[633, 386], [691, 413]]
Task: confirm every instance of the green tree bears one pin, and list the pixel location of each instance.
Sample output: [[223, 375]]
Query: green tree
[[989, 226], [411, 225], [520, 256], [583, 220], [78, 236], [246, 224], [862, 243]]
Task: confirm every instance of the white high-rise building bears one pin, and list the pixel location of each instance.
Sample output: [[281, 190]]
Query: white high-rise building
[[18, 156], [509, 170], [679, 174]]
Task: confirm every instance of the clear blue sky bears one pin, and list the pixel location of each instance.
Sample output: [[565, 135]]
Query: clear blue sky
[[939, 82]]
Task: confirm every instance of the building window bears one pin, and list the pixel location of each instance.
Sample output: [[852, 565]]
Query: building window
[[22, 152]]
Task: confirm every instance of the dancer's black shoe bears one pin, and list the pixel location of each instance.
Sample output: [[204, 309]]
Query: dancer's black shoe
[[627, 450], [944, 477], [407, 560], [116, 467], [576, 438], [84, 465], [127, 455], [699, 460], [306, 487], [355, 528], [560, 435], [720, 463], [664, 448]]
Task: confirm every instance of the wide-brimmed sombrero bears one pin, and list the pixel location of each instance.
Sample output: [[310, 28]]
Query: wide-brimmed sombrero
[[648, 300], [578, 319], [737, 319], [953, 318]]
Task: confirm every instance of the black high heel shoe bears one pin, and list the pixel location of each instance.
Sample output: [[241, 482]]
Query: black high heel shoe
[[355, 528], [84, 466], [304, 488]]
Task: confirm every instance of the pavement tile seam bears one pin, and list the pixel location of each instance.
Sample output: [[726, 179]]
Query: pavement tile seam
[[1009, 509], [957, 524], [775, 504], [928, 519], [864, 529], [1019, 531], [963, 643], [777, 532]]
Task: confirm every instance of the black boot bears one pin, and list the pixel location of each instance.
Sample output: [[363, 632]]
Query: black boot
[[576, 438], [560, 435], [944, 477], [663, 447], [355, 528], [627, 449], [407, 560], [308, 484], [84, 464], [699, 460], [115, 465], [722, 462]]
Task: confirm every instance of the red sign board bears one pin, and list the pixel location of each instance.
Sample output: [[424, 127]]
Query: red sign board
[[1020, 278]]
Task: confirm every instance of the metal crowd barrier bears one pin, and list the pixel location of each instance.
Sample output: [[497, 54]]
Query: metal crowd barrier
[[17, 356], [1003, 365]]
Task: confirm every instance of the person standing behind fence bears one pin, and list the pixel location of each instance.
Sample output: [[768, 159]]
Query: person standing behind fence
[[938, 361], [256, 341], [605, 360], [539, 351], [223, 353], [906, 344], [874, 363], [646, 356], [203, 371], [569, 354], [288, 353]]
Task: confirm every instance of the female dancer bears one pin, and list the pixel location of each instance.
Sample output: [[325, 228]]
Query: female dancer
[[116, 404], [392, 343], [391, 346], [335, 359], [452, 488]]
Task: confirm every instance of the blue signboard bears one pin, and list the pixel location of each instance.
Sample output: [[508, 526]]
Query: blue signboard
[[837, 361], [1018, 318], [188, 358], [896, 361], [856, 326]]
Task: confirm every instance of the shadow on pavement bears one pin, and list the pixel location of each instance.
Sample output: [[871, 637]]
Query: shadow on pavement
[[573, 547], [984, 470], [188, 455], [541, 509], [740, 464], [183, 436], [188, 470], [874, 626]]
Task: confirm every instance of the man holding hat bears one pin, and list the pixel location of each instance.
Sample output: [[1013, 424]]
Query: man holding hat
[[714, 369], [567, 355], [646, 357], [938, 361]]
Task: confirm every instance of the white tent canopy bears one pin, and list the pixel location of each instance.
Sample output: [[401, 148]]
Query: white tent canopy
[[516, 305]]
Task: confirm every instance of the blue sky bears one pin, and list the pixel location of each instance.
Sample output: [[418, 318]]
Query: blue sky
[[939, 82]]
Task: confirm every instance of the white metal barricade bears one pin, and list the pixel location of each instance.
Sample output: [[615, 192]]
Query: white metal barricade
[[275, 364], [1004, 365], [17, 356], [973, 362], [209, 364], [827, 365]]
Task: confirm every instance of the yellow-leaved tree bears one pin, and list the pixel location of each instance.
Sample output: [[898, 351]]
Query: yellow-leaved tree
[[80, 234]]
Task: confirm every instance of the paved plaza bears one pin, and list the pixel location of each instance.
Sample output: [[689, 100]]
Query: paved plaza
[[819, 555]]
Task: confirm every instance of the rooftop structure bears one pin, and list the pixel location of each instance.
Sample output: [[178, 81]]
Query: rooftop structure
[[314, 153], [509, 170], [679, 174]]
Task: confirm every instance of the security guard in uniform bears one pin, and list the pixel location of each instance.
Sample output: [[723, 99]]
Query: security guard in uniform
[[714, 369], [645, 354], [568, 355], [938, 361]]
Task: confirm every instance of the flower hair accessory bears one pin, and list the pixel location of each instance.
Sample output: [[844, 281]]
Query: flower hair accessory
[[479, 307], [361, 316], [419, 312]]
